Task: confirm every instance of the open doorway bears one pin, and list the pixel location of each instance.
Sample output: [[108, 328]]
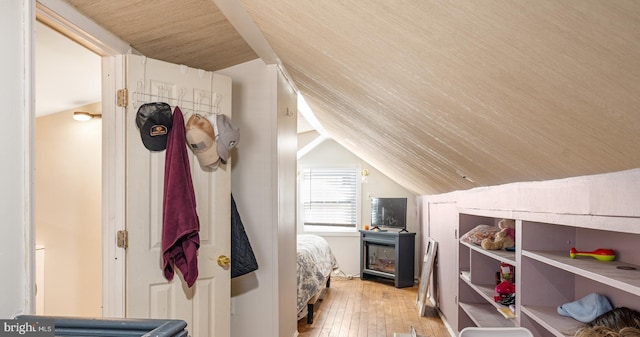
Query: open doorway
[[68, 183]]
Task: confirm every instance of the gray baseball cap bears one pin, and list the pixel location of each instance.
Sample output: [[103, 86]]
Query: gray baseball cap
[[227, 136]]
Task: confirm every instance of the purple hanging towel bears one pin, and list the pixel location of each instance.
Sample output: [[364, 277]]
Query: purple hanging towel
[[180, 224]]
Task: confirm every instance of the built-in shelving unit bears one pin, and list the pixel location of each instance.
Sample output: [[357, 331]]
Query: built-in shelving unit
[[477, 281], [546, 276], [551, 217]]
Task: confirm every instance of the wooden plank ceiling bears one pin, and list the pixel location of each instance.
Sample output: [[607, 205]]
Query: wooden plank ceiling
[[431, 91]]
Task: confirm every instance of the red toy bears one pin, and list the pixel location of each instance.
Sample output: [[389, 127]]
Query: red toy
[[601, 254], [504, 289]]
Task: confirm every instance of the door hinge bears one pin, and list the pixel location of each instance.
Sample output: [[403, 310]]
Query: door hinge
[[122, 239], [455, 234], [122, 98]]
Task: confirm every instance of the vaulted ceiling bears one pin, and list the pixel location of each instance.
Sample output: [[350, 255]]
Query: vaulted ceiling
[[438, 95]]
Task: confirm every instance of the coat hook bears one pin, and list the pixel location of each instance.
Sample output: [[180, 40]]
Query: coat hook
[[198, 101], [180, 96], [216, 101], [136, 95]]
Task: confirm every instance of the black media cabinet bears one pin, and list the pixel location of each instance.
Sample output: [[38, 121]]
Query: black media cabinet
[[388, 255]]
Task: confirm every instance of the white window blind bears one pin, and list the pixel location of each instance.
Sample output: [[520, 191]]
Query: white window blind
[[329, 196]]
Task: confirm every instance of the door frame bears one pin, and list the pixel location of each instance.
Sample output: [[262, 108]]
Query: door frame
[[73, 24]]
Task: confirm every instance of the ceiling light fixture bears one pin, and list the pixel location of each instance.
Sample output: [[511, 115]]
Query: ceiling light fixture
[[83, 116]]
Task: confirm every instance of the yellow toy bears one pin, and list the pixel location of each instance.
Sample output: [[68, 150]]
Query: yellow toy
[[600, 254]]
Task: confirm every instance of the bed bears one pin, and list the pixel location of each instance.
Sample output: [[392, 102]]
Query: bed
[[315, 264]]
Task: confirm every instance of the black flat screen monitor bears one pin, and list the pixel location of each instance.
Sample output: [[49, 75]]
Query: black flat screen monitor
[[389, 212]]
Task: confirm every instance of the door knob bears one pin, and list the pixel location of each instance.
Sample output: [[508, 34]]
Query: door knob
[[224, 261]]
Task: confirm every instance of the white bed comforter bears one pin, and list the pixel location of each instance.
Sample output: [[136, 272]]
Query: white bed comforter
[[315, 263]]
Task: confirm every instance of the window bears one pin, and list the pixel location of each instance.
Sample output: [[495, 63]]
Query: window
[[329, 198]]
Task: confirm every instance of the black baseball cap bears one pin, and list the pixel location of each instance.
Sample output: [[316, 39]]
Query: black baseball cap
[[154, 121]]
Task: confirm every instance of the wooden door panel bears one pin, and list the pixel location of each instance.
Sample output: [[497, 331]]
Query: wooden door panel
[[443, 224], [205, 306]]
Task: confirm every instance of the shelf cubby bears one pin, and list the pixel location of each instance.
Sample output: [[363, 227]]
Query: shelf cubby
[[545, 263], [477, 269]]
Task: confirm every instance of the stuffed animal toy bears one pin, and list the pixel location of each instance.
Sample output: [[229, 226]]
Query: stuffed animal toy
[[505, 238]]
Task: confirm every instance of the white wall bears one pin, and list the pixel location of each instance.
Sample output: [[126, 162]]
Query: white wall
[[285, 201], [68, 212], [346, 246], [16, 242], [263, 184]]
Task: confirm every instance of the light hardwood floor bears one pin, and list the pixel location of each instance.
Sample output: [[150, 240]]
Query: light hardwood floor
[[356, 308]]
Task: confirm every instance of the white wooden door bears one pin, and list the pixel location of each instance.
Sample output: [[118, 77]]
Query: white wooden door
[[442, 227], [205, 306]]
